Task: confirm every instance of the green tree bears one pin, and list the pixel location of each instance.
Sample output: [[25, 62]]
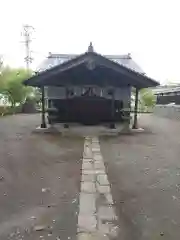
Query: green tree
[[11, 86], [147, 98]]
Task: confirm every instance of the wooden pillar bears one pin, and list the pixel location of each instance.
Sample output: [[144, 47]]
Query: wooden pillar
[[43, 121], [112, 110], [135, 124], [66, 125], [129, 107]]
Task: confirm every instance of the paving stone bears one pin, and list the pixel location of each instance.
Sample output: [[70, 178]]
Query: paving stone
[[99, 165], [87, 165], [85, 236], [87, 156], [99, 171], [108, 228], [88, 178], [95, 139], [87, 223], [88, 187], [97, 149], [91, 236], [95, 145], [87, 152], [88, 160], [108, 197], [87, 203], [95, 172], [97, 157], [106, 213], [102, 188], [98, 161], [88, 139], [104, 199], [102, 179], [89, 172]]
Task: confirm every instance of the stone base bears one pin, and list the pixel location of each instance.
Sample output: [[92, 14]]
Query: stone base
[[86, 130], [80, 130], [137, 130], [96, 130], [48, 129]]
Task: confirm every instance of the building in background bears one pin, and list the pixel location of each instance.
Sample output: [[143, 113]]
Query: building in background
[[168, 94]]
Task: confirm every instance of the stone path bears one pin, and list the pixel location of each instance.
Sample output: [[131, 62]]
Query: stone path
[[97, 218]]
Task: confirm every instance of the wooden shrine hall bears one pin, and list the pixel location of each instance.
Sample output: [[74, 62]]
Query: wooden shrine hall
[[89, 89]]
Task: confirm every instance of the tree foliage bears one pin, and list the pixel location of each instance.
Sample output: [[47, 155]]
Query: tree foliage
[[147, 98], [11, 86]]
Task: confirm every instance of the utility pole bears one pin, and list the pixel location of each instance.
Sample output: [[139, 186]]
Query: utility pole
[[1, 61], [27, 32]]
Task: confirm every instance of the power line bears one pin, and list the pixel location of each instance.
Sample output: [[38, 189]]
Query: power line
[[27, 32]]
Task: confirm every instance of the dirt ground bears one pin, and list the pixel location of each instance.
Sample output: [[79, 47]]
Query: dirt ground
[[39, 181], [144, 171]]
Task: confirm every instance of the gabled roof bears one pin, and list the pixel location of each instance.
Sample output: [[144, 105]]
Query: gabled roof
[[55, 59], [91, 68]]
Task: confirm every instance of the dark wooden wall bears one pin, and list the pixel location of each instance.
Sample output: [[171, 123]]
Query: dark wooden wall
[[166, 99]]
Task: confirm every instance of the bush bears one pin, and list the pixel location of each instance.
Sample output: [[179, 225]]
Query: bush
[[6, 110]]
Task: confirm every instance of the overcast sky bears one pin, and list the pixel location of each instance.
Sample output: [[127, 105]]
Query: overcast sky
[[148, 29]]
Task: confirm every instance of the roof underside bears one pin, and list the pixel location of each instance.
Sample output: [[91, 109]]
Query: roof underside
[[91, 69]]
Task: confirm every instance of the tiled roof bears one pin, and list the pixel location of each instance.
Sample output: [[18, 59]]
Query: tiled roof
[[55, 59], [167, 89], [58, 67]]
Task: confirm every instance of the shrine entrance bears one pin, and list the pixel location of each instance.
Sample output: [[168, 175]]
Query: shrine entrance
[[87, 110]]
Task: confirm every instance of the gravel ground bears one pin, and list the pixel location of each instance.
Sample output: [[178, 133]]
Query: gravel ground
[[39, 181], [144, 172]]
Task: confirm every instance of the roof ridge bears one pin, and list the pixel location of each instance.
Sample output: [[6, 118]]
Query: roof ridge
[[118, 56]]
